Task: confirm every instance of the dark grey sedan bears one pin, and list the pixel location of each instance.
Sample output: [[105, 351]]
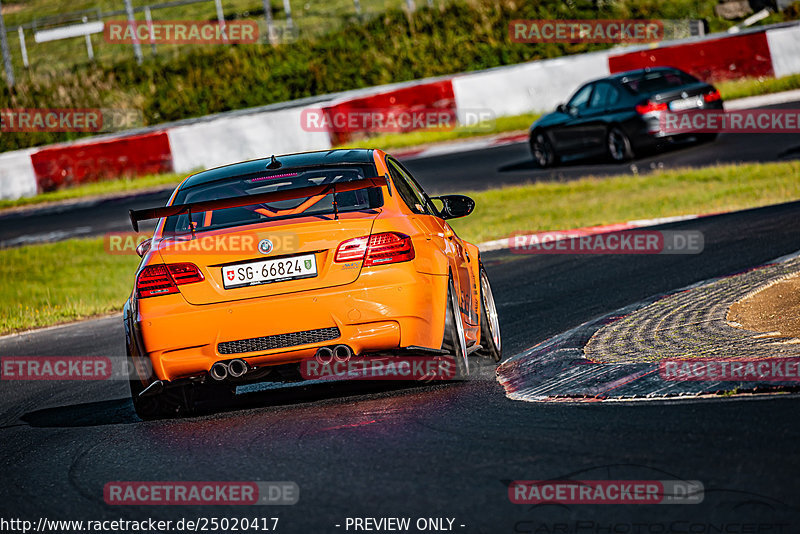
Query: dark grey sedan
[[620, 115]]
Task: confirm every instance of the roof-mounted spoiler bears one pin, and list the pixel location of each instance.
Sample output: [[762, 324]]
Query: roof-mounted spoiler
[[249, 200]]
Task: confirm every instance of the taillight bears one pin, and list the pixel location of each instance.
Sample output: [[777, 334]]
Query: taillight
[[389, 247], [351, 250], [156, 280], [185, 273], [377, 249], [713, 96], [650, 107]]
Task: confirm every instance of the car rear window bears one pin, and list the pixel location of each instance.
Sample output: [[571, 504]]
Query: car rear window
[[653, 82], [268, 182]]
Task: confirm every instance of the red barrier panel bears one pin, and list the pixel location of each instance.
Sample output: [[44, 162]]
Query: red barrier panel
[[62, 166], [422, 98], [726, 58]]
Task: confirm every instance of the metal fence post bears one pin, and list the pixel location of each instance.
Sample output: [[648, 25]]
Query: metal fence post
[[137, 46], [221, 19], [6, 53], [22, 48], [89, 49], [287, 7], [270, 23], [148, 17]]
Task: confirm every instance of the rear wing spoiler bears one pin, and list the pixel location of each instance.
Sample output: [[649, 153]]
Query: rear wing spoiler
[[249, 200]]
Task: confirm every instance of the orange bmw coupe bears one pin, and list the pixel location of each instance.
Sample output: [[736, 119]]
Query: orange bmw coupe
[[258, 266]]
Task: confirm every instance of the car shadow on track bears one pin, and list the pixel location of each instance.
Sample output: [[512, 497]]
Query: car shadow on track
[[120, 411], [603, 164]]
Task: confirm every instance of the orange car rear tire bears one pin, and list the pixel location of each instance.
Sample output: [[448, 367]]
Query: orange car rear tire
[[491, 343], [454, 341]]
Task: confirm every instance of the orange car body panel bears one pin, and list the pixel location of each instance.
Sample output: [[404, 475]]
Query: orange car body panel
[[377, 308]]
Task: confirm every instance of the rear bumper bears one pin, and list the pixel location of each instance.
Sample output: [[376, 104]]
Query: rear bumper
[[651, 130], [387, 307]]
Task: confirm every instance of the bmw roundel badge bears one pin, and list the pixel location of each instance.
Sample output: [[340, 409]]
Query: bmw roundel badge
[[265, 246]]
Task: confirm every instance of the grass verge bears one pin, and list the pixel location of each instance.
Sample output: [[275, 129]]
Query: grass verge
[[110, 187], [76, 278], [594, 201], [58, 282], [425, 137], [757, 86]]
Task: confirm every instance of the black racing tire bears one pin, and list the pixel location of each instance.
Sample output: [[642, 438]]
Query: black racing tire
[[453, 341], [172, 402], [491, 342], [542, 150], [618, 145]]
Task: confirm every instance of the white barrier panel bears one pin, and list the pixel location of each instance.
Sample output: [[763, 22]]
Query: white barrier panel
[[17, 178], [784, 47], [534, 86], [225, 140]]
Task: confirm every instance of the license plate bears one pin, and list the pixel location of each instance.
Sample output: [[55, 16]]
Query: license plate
[[686, 103], [269, 271]]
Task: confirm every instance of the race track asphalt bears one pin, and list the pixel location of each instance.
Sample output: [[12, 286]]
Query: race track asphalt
[[445, 450]]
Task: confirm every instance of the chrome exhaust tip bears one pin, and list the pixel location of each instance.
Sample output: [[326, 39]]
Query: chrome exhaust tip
[[219, 371], [324, 355], [237, 368], [342, 353]]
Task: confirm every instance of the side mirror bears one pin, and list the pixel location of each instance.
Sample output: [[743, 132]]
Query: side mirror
[[144, 246], [561, 108], [454, 206]]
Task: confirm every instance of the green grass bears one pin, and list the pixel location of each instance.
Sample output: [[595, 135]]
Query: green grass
[[73, 279], [757, 86], [590, 201], [59, 282], [110, 187], [424, 137]]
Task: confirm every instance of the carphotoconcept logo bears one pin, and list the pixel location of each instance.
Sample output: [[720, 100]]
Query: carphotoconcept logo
[[621, 242]]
